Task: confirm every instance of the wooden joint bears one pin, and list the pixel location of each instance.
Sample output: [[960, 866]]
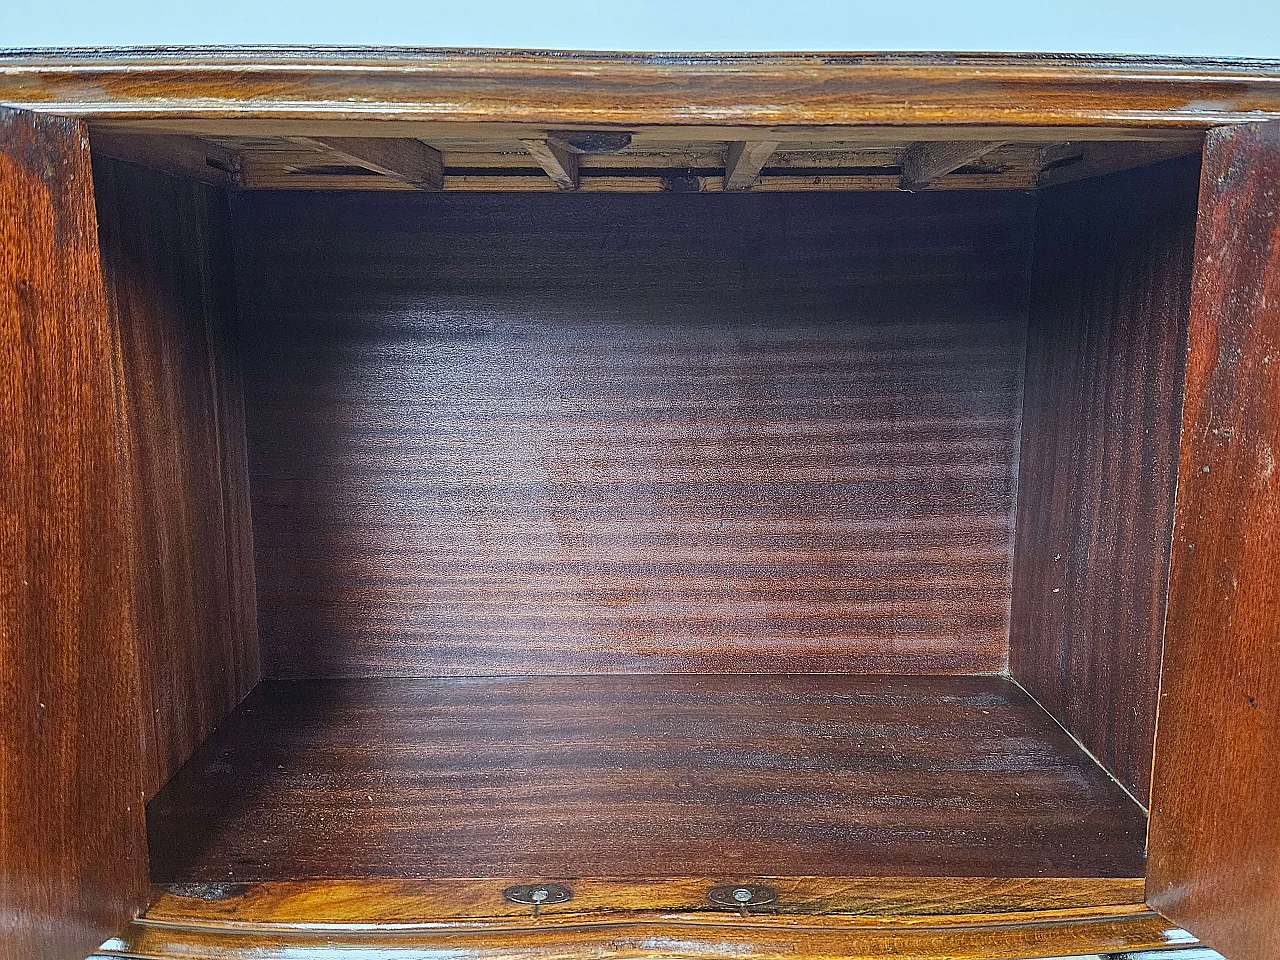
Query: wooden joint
[[557, 158], [743, 161], [409, 161], [181, 156], [927, 162]]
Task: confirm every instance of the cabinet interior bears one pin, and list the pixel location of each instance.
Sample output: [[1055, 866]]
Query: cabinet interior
[[528, 535]]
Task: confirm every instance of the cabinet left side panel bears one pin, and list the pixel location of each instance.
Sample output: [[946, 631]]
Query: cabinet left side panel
[[168, 266], [73, 863]]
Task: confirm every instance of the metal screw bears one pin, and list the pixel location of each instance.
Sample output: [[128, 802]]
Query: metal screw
[[538, 897], [537, 894], [743, 896]]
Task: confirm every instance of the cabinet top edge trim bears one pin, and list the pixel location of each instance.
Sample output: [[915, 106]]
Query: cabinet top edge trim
[[636, 89], [391, 55]]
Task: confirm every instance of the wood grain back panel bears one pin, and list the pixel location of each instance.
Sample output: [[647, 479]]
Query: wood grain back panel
[[1100, 429], [1215, 807], [167, 262], [73, 864], [634, 433], [642, 776]]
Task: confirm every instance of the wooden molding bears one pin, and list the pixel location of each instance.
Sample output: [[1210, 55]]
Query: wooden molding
[[555, 157], [925, 163], [606, 934], [744, 160], [629, 90], [409, 161]]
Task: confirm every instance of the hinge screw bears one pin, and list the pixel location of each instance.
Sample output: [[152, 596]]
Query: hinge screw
[[742, 896], [536, 894]]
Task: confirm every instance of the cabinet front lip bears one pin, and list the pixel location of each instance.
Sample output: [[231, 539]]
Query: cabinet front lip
[[1127, 928], [621, 90], [805, 902]]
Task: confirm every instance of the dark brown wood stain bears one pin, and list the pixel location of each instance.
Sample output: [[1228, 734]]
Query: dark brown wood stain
[[1099, 452], [1215, 814], [72, 851], [545, 435], [642, 776], [166, 255]]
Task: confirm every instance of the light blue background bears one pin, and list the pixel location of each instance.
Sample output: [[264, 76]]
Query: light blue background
[[1205, 27]]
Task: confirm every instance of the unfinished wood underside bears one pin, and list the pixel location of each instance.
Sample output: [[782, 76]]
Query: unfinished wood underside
[[646, 160]]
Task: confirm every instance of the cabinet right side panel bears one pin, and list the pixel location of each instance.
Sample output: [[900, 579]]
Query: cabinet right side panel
[[1098, 459], [1214, 852]]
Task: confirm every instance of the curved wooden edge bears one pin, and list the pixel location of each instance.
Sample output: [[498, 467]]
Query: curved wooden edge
[[602, 89], [1052, 933], [814, 917], [383, 54]]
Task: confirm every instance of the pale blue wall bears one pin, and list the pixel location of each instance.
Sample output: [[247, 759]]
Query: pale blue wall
[[1203, 27]]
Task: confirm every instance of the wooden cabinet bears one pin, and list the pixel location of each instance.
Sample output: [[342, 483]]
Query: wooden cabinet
[[557, 505]]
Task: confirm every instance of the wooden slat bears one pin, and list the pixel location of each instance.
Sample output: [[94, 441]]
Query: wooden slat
[[926, 163], [407, 160], [510, 132], [276, 172], [559, 162], [743, 161], [189, 157], [798, 166], [814, 157]]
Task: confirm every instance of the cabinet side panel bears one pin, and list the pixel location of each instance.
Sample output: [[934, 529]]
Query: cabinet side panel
[[167, 262], [72, 850], [1098, 467], [633, 433], [1215, 812]]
